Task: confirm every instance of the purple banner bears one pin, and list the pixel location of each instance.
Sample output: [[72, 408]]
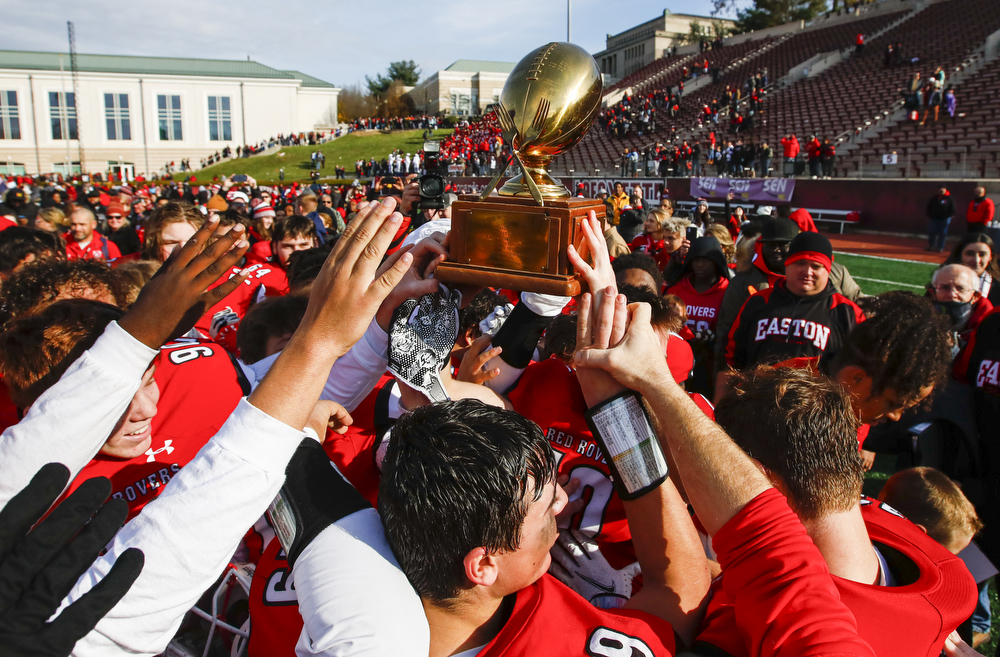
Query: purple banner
[[766, 190]]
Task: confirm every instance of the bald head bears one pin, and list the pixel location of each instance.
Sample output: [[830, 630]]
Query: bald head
[[955, 283]]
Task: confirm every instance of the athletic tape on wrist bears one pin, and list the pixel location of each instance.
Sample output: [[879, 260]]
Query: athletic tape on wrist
[[632, 451], [519, 336], [315, 495]]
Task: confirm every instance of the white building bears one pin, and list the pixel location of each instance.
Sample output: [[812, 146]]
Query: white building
[[465, 88], [628, 51], [138, 113]]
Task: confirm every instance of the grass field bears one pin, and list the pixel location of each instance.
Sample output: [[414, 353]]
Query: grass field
[[877, 275], [340, 152]]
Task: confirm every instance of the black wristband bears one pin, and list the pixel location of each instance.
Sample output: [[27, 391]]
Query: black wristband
[[313, 497], [519, 335], [632, 451]]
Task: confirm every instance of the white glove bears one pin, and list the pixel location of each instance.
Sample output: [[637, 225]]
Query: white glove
[[578, 563], [222, 319]]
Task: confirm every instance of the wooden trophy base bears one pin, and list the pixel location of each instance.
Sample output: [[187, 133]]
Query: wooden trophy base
[[513, 243]]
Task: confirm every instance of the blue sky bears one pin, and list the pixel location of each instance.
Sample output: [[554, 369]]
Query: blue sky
[[336, 41]]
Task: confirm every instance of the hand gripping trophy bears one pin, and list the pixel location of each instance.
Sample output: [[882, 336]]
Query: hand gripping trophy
[[518, 238]]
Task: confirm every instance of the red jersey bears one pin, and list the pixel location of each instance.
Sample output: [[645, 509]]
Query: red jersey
[[549, 394], [275, 622], [655, 248], [99, 248], [702, 307], [200, 386], [265, 280], [259, 252], [935, 593], [549, 618]]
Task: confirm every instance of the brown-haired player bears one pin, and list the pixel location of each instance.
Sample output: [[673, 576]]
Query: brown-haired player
[[907, 592]]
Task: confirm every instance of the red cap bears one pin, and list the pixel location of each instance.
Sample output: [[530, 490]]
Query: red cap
[[114, 207], [680, 358], [821, 258]]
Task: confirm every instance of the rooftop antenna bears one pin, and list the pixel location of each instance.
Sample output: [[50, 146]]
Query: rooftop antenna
[[74, 69]]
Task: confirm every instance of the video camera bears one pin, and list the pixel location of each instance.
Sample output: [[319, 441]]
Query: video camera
[[431, 185]]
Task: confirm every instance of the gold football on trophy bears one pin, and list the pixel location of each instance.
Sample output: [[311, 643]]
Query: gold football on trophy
[[547, 105]]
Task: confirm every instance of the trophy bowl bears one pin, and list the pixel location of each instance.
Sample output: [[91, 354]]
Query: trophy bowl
[[552, 98]]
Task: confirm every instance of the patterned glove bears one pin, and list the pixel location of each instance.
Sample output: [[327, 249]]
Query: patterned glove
[[39, 566], [421, 337], [578, 563]]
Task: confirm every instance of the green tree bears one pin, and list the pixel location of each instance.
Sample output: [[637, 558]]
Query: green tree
[[769, 13], [404, 72], [696, 33]]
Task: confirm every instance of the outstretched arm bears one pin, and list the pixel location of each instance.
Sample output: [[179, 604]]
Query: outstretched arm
[[96, 390], [208, 506]]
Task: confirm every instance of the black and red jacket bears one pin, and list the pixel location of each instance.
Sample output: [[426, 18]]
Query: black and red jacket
[[775, 325]]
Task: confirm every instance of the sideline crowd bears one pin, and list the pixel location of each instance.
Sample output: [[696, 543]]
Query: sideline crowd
[[270, 380]]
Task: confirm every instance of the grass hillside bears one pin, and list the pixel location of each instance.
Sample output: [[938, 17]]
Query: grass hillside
[[339, 152]]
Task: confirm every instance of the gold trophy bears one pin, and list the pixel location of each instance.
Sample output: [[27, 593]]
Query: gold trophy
[[518, 240]]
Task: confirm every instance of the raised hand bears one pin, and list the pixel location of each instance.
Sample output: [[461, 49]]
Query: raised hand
[[352, 285], [599, 327], [344, 298], [475, 360], [600, 275], [418, 280], [173, 300], [329, 415], [637, 360]]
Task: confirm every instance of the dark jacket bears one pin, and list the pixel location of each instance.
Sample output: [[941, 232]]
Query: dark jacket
[[747, 283], [126, 239], [775, 325], [941, 207]]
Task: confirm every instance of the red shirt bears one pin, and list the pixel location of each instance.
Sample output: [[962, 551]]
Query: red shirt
[[979, 212], [912, 618], [259, 253], [549, 618], [94, 250], [702, 307], [265, 280], [274, 607], [6, 223], [655, 248], [549, 394], [200, 386]]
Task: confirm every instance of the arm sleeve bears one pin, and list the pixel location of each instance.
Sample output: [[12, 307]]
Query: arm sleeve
[[786, 602], [736, 354], [189, 533], [732, 302], [345, 609], [848, 287], [355, 374], [85, 404], [519, 336]]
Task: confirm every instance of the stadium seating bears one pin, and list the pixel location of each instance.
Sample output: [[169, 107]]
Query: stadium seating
[[843, 98], [968, 145]]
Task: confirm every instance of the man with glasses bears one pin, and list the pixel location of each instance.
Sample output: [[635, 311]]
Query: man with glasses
[[955, 292]]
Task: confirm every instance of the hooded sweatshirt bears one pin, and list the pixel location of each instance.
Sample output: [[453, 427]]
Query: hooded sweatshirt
[[775, 325]]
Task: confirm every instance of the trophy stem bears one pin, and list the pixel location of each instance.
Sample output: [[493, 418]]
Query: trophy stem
[[549, 187]]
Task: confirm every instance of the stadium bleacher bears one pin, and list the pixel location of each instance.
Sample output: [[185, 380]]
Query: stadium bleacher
[[842, 99]]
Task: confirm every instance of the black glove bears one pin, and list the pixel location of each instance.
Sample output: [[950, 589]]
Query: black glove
[[313, 497], [39, 566]]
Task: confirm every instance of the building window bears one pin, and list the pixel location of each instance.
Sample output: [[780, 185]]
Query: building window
[[168, 109], [116, 115], [62, 112], [219, 119], [10, 124]]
